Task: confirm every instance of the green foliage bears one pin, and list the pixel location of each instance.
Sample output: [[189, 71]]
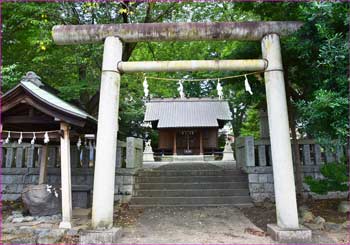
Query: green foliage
[[335, 179], [10, 77], [315, 58], [251, 125], [326, 107]]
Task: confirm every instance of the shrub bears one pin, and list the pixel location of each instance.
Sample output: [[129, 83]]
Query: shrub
[[335, 179]]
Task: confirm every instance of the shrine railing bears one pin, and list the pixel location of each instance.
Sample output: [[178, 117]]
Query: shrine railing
[[26, 155], [20, 166], [254, 153]]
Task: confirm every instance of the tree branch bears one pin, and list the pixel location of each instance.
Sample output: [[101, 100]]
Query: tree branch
[[151, 49], [148, 13], [165, 12]]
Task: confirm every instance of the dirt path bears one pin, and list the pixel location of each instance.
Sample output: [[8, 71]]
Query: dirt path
[[205, 225], [193, 225]]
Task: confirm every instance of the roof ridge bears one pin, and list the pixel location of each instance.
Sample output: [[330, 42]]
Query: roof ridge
[[190, 99], [76, 110]]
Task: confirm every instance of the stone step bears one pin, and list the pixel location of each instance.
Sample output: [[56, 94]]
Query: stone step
[[191, 192], [239, 205], [203, 185], [157, 173], [190, 200], [190, 165], [187, 179]]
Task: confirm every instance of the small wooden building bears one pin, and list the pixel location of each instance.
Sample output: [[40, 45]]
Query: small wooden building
[[32, 111], [187, 126], [32, 106]]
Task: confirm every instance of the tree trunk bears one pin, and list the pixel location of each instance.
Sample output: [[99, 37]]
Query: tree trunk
[[295, 149], [348, 138], [296, 153]]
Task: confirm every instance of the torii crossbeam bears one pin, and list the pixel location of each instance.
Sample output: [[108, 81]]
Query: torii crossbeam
[[114, 35]]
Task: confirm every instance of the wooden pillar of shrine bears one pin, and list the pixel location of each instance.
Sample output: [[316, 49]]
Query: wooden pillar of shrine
[[174, 143], [201, 151]]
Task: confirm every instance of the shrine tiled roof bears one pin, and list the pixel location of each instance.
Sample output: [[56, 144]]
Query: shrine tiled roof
[[187, 112], [33, 87]]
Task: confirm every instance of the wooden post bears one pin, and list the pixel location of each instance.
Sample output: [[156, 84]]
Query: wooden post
[[52, 161], [43, 165], [86, 157], [19, 156], [201, 143], [66, 179], [30, 156], [174, 144], [9, 157]]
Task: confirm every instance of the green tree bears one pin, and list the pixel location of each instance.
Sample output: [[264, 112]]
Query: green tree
[[315, 58], [251, 125]]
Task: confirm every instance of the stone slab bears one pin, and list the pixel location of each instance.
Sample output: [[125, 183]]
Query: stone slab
[[344, 207], [109, 236], [300, 235], [81, 212]]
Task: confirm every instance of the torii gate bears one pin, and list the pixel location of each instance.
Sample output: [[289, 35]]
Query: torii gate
[[115, 34]]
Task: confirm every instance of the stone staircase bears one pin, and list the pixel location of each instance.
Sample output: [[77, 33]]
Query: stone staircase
[[190, 184]]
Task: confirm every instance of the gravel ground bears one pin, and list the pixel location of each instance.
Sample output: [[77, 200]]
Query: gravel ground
[[205, 225], [193, 225]]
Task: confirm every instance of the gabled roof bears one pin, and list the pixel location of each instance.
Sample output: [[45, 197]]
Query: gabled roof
[[54, 101], [187, 112], [38, 96]]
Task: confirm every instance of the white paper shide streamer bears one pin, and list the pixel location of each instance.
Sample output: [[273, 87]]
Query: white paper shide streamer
[[20, 139], [79, 143], [181, 89], [145, 88], [8, 138], [33, 139], [219, 89], [46, 138], [247, 86]]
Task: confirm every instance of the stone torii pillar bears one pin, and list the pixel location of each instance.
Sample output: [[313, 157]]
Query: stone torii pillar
[[107, 130], [287, 228]]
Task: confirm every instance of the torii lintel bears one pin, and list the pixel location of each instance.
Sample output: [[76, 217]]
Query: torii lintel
[[157, 32]]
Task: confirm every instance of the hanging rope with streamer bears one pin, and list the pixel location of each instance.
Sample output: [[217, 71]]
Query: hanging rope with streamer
[[181, 89], [247, 86], [79, 143], [23, 135], [204, 79], [219, 89], [33, 140], [8, 137], [46, 138], [20, 139], [145, 88], [219, 86]]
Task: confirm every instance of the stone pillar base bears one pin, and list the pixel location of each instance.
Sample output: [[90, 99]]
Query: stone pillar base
[[300, 235], [65, 225], [228, 156], [108, 236], [148, 157]]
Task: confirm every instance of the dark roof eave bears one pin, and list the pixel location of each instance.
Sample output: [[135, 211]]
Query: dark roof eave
[[60, 113], [53, 105]]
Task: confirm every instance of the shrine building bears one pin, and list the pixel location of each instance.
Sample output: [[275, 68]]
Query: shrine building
[[187, 126]]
